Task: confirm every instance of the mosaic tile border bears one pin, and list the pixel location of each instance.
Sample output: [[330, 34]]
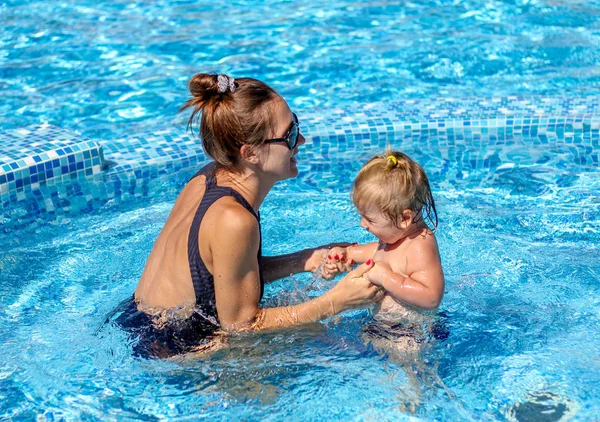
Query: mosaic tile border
[[133, 165], [44, 155], [452, 121]]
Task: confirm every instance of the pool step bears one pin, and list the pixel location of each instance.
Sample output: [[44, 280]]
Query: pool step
[[49, 170], [150, 155], [41, 155]]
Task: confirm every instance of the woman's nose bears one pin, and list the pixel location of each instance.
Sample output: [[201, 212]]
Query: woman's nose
[[301, 139]]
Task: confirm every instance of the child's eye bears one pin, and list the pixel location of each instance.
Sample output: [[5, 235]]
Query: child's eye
[[367, 219]]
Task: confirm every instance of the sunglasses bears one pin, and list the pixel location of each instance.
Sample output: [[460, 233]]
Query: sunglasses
[[291, 138]]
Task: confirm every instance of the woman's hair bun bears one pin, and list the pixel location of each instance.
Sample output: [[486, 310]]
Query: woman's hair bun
[[203, 85]]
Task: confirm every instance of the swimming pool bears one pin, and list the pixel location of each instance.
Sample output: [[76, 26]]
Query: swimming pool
[[111, 69], [515, 179]]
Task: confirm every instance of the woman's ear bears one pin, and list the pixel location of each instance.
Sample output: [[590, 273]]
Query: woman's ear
[[249, 153]]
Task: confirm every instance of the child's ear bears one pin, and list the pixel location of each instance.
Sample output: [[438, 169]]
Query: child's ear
[[407, 218], [249, 153]]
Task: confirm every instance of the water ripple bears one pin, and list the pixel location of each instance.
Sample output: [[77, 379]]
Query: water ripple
[[314, 55]]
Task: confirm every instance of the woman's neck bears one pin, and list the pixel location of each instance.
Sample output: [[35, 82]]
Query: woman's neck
[[247, 183]]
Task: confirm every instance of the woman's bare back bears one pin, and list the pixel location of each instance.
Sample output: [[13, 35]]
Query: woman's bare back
[[166, 281]]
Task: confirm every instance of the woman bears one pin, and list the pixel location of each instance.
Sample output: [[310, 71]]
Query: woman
[[205, 273]]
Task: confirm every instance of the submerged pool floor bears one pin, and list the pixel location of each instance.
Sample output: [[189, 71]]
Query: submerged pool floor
[[518, 235]]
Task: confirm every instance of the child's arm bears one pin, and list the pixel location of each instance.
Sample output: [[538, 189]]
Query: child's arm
[[423, 288], [361, 253]]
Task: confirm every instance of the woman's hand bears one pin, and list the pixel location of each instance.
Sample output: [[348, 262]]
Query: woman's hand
[[355, 291], [316, 257], [379, 273], [337, 262]]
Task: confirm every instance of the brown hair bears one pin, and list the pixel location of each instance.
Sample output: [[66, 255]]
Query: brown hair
[[392, 185], [232, 118]]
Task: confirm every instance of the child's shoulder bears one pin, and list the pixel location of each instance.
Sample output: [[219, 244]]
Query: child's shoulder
[[423, 243]]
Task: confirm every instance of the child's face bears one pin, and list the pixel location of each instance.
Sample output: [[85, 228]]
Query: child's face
[[382, 227]]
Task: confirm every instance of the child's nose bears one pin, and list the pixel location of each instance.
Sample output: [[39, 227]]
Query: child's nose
[[363, 224]]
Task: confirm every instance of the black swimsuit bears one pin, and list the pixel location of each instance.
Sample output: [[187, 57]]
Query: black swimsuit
[[177, 335], [204, 284]]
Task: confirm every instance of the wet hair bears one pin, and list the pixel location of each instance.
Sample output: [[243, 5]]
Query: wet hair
[[230, 118], [391, 185]]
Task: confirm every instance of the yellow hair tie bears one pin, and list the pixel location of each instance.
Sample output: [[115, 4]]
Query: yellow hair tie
[[392, 159]]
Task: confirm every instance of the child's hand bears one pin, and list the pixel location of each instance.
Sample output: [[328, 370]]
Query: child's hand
[[337, 262], [379, 273]]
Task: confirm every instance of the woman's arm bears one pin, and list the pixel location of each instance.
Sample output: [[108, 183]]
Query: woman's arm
[[237, 284], [353, 291], [277, 267]]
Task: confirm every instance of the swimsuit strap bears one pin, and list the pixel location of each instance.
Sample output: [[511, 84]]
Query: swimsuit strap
[[202, 279]]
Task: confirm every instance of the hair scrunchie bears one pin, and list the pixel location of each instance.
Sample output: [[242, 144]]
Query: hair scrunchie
[[224, 82]]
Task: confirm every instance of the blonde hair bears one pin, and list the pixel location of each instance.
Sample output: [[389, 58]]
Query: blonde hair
[[392, 183]]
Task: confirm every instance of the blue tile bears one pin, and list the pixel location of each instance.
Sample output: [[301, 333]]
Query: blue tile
[[399, 122]]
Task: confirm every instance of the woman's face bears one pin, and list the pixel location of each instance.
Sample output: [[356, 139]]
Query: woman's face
[[277, 159]]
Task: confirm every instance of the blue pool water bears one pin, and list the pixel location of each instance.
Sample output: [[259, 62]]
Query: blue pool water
[[519, 246], [518, 235], [118, 67]]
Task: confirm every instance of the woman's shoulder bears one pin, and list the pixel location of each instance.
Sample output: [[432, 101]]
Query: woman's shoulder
[[229, 213], [230, 221], [232, 234]]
